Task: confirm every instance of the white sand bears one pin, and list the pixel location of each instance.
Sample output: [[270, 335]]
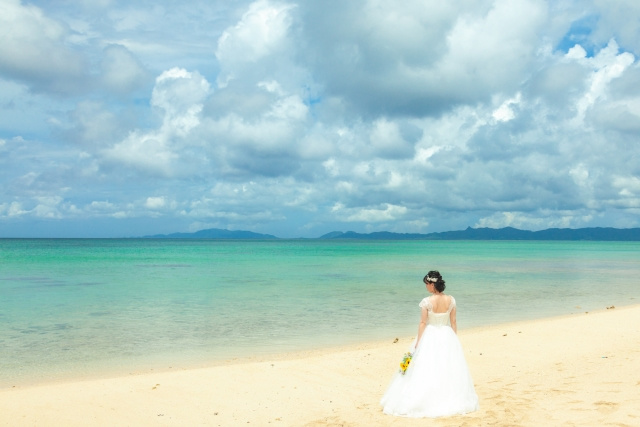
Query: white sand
[[581, 369]]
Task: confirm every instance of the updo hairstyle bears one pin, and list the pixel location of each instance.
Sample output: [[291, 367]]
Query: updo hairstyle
[[439, 284]]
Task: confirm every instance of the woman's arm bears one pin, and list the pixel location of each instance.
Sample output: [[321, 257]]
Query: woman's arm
[[423, 324], [452, 316]]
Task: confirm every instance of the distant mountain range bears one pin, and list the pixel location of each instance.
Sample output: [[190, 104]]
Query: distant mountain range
[[214, 233], [507, 233]]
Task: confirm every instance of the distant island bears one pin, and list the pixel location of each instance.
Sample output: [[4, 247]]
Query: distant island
[[213, 233], [506, 233]]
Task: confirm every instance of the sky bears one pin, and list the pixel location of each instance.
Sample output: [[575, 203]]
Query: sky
[[128, 118]]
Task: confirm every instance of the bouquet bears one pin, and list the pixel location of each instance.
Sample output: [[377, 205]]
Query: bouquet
[[405, 362]]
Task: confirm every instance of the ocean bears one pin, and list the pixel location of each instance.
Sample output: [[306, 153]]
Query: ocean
[[72, 308]]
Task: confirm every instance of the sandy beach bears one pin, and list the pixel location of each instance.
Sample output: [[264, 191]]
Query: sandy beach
[[580, 369]]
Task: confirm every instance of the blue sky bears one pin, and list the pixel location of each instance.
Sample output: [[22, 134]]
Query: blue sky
[[296, 119]]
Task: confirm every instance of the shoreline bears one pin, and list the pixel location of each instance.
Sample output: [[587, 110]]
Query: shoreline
[[578, 368], [156, 368]]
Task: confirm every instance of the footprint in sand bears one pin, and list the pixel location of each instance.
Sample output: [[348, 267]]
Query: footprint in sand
[[329, 422], [555, 390], [606, 407]]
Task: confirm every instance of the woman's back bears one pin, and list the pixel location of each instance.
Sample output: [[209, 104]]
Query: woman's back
[[439, 309], [440, 303]]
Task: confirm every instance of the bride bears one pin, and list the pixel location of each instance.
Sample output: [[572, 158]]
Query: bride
[[437, 382]]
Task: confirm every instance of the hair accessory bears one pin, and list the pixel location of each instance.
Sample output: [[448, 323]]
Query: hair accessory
[[431, 279]]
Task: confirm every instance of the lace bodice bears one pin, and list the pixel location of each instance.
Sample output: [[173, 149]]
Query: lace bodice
[[438, 319]]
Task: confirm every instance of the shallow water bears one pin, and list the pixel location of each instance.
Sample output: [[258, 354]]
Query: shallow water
[[75, 307]]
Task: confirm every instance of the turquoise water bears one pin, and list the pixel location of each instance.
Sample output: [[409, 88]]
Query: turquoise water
[[75, 307]]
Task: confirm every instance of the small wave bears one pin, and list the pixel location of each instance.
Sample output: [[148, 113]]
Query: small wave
[[164, 265]]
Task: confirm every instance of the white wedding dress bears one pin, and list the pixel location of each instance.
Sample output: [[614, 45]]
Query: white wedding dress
[[437, 382]]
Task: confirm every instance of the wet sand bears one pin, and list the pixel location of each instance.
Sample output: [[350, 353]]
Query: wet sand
[[582, 370]]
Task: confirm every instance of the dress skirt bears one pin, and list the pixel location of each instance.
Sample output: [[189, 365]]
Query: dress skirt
[[437, 382]]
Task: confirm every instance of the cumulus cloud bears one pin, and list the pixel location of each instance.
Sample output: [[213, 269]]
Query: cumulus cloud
[[94, 125], [607, 65], [535, 221], [425, 59], [505, 112], [155, 202], [122, 73], [12, 209], [387, 140], [46, 207], [619, 20], [425, 117], [178, 95], [387, 213], [33, 50], [261, 32]]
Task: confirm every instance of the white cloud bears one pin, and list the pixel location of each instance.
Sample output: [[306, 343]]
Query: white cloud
[[121, 215], [94, 125], [580, 174], [288, 108], [146, 151], [607, 65], [179, 94], [47, 207], [32, 49], [100, 206], [619, 18], [131, 19], [13, 209], [535, 221], [505, 112], [368, 215], [387, 141], [155, 202], [627, 186], [423, 154], [272, 86], [576, 52], [452, 54], [430, 116], [508, 34], [260, 32], [331, 166], [121, 71]]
